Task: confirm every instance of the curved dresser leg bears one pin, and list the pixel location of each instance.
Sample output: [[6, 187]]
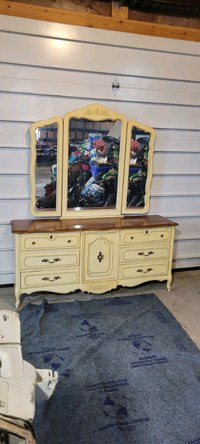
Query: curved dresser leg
[[169, 284], [17, 298]]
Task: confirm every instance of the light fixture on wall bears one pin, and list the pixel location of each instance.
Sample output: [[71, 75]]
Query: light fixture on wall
[[115, 86]]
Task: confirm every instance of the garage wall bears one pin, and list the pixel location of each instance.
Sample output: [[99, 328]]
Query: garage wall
[[47, 69]]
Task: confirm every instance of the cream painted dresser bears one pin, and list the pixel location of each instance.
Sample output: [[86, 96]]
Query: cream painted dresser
[[91, 255]]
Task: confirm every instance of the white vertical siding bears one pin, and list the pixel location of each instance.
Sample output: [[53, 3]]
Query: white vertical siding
[[48, 69]]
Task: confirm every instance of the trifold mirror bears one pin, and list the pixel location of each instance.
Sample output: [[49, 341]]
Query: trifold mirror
[[103, 168]]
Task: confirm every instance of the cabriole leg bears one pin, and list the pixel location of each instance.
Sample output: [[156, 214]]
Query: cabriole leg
[[17, 298], [169, 284]]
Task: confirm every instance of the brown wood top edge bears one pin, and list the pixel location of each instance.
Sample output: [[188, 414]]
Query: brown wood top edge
[[122, 24], [23, 226]]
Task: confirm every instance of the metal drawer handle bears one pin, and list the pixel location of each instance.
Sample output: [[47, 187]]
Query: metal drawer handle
[[100, 256], [141, 253], [51, 280], [56, 259], [140, 270], [33, 243], [69, 241]]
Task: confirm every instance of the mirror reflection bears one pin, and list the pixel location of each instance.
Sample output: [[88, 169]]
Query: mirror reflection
[[138, 168], [46, 166], [94, 150]]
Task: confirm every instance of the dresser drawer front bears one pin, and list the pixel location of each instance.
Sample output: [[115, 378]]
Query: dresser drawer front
[[46, 260], [49, 279], [129, 254], [151, 235], [143, 270], [53, 241]]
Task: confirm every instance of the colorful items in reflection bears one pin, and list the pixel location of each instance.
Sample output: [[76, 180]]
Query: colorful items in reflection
[[138, 168]]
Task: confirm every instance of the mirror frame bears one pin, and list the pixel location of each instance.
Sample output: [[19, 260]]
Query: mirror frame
[[95, 113], [148, 129], [41, 124]]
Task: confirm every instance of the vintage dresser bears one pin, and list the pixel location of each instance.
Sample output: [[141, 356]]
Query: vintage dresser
[[91, 231]]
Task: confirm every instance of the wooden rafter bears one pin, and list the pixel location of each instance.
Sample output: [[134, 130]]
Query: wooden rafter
[[17, 9]]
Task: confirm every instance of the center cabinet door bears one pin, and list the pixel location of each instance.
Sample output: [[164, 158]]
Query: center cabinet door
[[100, 256]]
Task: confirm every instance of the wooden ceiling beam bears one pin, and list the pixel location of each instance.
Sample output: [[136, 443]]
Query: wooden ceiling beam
[[119, 13], [30, 11]]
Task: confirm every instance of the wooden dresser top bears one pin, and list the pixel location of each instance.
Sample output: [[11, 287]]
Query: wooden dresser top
[[59, 225]]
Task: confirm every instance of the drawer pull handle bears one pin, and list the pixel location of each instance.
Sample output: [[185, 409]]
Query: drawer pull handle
[[162, 235], [100, 256], [56, 259], [132, 237], [33, 243], [46, 278], [140, 270], [69, 241], [51, 237], [141, 253]]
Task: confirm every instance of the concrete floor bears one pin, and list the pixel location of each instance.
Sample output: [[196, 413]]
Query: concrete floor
[[183, 300]]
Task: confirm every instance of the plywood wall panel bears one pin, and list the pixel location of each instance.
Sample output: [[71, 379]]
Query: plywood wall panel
[[6, 238], [7, 278], [62, 82], [48, 52], [14, 209], [14, 161], [175, 206], [175, 185], [30, 108], [180, 264], [14, 186], [188, 228], [14, 134], [186, 141], [185, 249], [176, 163], [70, 32], [6, 261]]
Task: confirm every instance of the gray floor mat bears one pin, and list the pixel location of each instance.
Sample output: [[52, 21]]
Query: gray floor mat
[[128, 372]]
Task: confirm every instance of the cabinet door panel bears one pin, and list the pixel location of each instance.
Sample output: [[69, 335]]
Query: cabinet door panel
[[100, 257]]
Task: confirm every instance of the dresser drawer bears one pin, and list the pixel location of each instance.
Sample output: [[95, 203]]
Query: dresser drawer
[[46, 259], [49, 278], [143, 270], [132, 253], [53, 241], [150, 235]]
